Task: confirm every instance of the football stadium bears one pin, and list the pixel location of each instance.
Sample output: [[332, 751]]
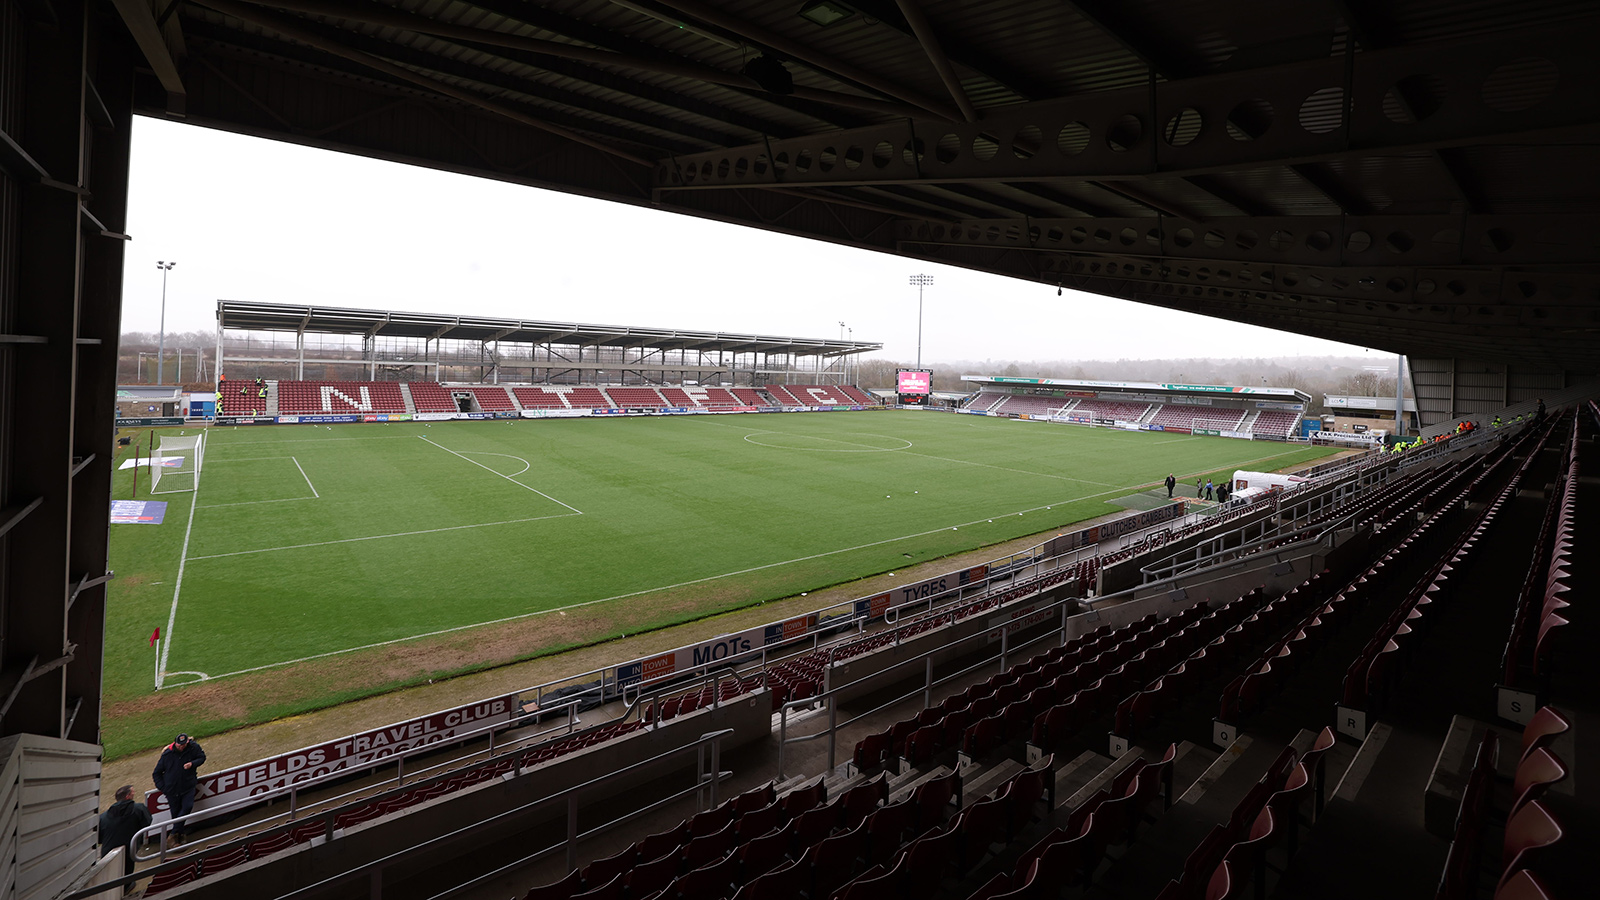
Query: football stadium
[[483, 608]]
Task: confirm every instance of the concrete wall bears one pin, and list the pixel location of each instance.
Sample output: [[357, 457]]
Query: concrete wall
[[49, 807], [749, 715]]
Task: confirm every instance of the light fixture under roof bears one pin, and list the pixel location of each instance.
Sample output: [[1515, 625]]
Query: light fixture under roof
[[825, 12]]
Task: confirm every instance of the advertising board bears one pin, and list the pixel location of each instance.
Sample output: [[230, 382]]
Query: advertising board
[[1240, 435], [151, 420], [719, 649], [350, 753], [874, 607], [246, 420]]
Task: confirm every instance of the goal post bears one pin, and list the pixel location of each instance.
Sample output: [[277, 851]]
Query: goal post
[[189, 451]]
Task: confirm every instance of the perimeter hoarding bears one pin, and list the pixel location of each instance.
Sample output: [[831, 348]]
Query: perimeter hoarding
[[353, 754]]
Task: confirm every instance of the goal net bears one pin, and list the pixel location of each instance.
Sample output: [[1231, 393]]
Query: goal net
[[177, 464]]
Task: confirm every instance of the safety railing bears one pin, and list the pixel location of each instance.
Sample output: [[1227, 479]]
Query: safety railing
[[903, 669], [707, 780]]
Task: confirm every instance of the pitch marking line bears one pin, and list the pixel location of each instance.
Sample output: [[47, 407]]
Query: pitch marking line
[[907, 450], [506, 477], [709, 578], [254, 502], [864, 448], [379, 537], [542, 612], [177, 586], [307, 478], [252, 459]]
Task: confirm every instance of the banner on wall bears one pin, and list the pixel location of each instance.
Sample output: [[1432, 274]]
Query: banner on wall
[[351, 753]]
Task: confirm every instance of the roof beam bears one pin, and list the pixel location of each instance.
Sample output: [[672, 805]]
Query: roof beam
[[815, 59], [963, 54], [305, 55], [292, 31], [1327, 183], [929, 40], [1109, 18], [374, 14], [152, 40]]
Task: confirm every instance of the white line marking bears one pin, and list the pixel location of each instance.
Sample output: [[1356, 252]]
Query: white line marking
[[543, 612], [252, 458], [1175, 440], [379, 537], [254, 502], [864, 448], [506, 477], [307, 478], [525, 464], [177, 586], [376, 437], [966, 462]]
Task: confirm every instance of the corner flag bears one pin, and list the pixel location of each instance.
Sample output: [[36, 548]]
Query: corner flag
[[155, 636]]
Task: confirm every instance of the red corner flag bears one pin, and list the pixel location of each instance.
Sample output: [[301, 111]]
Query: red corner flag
[[155, 636]]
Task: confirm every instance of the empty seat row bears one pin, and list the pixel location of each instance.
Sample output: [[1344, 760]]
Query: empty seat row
[[1538, 618]]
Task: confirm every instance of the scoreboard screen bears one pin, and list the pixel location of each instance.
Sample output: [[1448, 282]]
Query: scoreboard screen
[[913, 386]]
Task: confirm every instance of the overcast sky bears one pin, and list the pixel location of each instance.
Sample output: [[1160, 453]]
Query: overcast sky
[[251, 219]]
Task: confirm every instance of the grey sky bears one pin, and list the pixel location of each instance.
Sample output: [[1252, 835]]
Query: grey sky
[[251, 219]]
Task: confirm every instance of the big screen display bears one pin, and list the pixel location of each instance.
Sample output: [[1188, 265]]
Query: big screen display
[[913, 386]]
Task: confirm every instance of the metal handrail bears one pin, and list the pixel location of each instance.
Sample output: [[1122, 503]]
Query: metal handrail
[[712, 739], [926, 659], [296, 813]]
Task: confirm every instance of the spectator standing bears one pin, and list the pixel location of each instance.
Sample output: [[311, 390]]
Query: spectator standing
[[176, 775], [1171, 483], [1199, 488], [1209, 490], [1538, 415], [120, 823]]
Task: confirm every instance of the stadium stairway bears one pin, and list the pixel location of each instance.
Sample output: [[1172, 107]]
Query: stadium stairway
[[405, 394], [272, 399]]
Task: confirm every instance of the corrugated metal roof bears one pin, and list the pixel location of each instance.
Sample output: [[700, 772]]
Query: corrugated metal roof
[[1154, 110]]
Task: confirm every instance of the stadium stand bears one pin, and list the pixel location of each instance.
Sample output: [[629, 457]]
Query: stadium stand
[[1027, 405], [492, 398], [750, 397], [677, 397], [240, 398], [713, 396], [934, 802], [1178, 417], [431, 397], [781, 395], [1275, 422], [815, 394], [539, 398], [856, 395], [987, 400], [338, 397], [1113, 410], [637, 397], [587, 398]]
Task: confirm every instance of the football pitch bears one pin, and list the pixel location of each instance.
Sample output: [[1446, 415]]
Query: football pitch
[[317, 542]]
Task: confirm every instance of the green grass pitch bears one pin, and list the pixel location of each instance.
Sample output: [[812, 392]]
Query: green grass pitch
[[307, 541]]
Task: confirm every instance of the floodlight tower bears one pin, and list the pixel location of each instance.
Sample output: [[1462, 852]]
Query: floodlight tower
[[161, 341], [920, 282]]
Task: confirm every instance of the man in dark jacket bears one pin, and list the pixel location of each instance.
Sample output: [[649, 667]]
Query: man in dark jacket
[[120, 823], [1171, 483], [176, 775]]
